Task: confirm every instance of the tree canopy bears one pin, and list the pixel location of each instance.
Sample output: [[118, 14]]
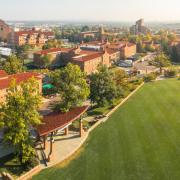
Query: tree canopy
[[52, 44], [161, 61], [13, 65], [71, 84], [18, 115], [102, 86], [46, 61]]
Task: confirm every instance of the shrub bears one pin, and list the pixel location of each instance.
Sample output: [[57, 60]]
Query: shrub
[[86, 124], [170, 73], [136, 81], [131, 87], [150, 77], [32, 163], [75, 125], [120, 92]]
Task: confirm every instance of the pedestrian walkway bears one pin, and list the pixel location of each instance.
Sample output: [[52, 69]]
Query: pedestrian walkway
[[64, 146]]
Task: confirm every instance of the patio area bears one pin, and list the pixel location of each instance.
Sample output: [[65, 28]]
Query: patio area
[[63, 147]]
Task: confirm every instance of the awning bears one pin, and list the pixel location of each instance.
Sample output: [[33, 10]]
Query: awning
[[58, 120]]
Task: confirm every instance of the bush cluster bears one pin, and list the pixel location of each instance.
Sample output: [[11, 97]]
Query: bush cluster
[[150, 77], [170, 73]]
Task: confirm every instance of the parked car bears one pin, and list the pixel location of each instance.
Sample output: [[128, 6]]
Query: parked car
[[125, 63]]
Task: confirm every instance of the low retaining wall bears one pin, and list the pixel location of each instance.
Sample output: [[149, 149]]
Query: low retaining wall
[[31, 173], [85, 136], [37, 169], [115, 108], [124, 100]]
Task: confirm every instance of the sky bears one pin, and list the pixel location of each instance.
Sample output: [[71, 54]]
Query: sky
[[90, 10]]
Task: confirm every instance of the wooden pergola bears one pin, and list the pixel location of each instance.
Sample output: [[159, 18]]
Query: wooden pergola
[[56, 121]]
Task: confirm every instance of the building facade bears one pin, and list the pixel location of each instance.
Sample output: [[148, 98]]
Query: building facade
[[5, 30], [88, 56], [30, 37], [90, 62], [5, 81], [56, 56], [139, 28], [126, 49]]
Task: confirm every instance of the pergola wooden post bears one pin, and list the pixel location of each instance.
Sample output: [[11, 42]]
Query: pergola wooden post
[[44, 142], [59, 121], [81, 127], [51, 147], [66, 131]]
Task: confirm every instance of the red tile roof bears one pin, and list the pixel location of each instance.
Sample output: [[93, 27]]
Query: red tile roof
[[32, 32], [21, 77], [2, 74], [95, 43], [48, 51], [53, 50], [87, 52], [58, 120], [111, 51], [88, 57], [48, 33], [120, 45]]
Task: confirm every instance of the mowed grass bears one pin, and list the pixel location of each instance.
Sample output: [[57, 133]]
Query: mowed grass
[[140, 141]]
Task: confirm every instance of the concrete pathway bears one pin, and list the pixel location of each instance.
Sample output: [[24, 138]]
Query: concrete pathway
[[63, 147]]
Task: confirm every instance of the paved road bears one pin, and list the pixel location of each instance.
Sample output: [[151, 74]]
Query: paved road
[[143, 66]]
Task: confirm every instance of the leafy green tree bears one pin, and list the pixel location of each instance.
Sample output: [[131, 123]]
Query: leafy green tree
[[161, 61], [57, 32], [174, 54], [149, 47], [88, 39], [165, 46], [13, 65], [171, 37], [171, 72], [102, 87], [18, 115], [150, 77], [52, 44], [71, 83], [22, 51], [46, 61], [46, 46], [85, 28]]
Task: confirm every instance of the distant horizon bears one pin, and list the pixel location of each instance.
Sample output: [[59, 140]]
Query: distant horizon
[[90, 11], [91, 21]]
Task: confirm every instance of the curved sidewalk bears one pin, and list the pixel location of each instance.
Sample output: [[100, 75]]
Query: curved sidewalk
[[66, 146]]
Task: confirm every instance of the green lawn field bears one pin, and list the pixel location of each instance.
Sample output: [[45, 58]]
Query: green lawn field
[[140, 141]]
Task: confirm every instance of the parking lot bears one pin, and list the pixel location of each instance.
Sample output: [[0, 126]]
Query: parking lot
[[142, 65]]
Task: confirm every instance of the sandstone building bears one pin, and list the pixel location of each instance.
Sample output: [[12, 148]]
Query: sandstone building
[[29, 37], [5, 29], [5, 81]]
